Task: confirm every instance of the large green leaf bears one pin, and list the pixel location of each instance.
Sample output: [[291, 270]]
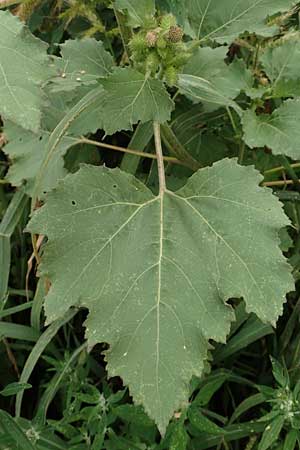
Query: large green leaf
[[225, 20], [137, 10], [282, 67], [83, 62], [155, 271], [133, 97], [279, 131], [24, 67], [208, 78]]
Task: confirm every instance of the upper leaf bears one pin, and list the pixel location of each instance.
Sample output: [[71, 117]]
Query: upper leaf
[[133, 97], [223, 21], [82, 62], [137, 10], [282, 67], [279, 131], [27, 151], [24, 67], [38, 158], [155, 272], [208, 78]]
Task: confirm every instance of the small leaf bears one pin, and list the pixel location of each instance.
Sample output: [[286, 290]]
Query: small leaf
[[132, 97], [210, 387], [224, 21], [12, 429], [286, 242], [279, 131], [280, 373], [137, 10], [24, 68], [203, 423], [290, 440], [271, 433], [179, 438], [14, 388], [282, 67], [27, 152], [83, 62], [144, 264]]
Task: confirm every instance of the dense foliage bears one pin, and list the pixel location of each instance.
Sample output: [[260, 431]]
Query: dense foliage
[[150, 224]]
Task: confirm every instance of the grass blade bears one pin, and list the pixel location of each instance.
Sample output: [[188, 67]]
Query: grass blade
[[36, 352]]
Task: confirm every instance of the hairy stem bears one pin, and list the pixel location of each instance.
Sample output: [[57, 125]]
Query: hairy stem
[[160, 159]]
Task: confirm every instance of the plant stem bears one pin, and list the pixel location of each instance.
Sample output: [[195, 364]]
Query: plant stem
[[278, 183], [280, 169], [231, 120], [168, 159], [242, 152], [160, 158], [174, 146]]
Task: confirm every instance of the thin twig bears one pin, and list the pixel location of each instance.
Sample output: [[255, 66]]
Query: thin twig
[[160, 158], [280, 169], [169, 159], [278, 183]]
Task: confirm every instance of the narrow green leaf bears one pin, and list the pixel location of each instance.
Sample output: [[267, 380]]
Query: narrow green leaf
[[14, 388], [271, 433], [14, 431], [210, 388], [8, 224], [290, 440], [37, 350], [16, 331], [248, 403], [233, 433], [54, 385], [15, 309], [253, 330], [179, 438], [202, 423], [153, 302]]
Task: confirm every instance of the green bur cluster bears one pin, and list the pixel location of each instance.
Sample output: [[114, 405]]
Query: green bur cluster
[[157, 49]]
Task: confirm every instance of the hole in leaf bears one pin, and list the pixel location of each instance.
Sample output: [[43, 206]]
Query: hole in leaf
[[73, 202]]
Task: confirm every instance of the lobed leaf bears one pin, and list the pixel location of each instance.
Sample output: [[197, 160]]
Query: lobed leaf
[[133, 97], [155, 272], [24, 67], [282, 67], [279, 131], [224, 21], [83, 62], [207, 78]]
